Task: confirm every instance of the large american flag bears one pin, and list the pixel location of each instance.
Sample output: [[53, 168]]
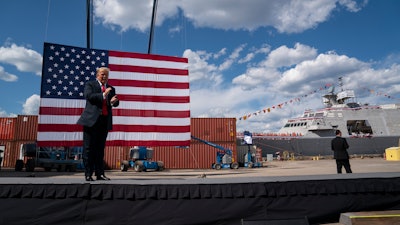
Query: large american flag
[[153, 90]]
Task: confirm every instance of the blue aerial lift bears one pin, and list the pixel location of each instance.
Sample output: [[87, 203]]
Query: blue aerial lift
[[140, 160], [250, 160], [223, 159]]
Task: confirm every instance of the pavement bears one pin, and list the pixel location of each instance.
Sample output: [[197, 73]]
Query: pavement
[[272, 170]]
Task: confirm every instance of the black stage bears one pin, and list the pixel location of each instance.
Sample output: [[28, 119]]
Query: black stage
[[318, 198]]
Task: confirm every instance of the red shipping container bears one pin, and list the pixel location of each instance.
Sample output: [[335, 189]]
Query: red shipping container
[[26, 128], [214, 129], [7, 128]]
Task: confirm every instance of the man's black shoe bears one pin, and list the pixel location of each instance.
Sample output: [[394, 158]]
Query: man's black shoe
[[89, 178], [102, 177]]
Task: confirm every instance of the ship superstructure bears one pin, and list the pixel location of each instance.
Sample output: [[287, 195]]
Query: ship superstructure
[[344, 113]]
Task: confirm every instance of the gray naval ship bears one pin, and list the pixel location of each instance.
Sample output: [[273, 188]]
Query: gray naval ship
[[369, 129]]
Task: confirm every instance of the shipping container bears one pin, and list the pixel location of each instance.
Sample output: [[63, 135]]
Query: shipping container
[[7, 128], [214, 129], [12, 152], [113, 155], [221, 131], [26, 128], [196, 156]]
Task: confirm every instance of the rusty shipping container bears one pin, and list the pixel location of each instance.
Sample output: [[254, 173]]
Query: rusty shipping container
[[12, 152], [214, 129], [7, 128], [113, 155], [26, 128], [196, 156]]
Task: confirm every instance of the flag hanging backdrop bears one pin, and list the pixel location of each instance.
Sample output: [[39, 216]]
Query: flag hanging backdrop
[[153, 90]]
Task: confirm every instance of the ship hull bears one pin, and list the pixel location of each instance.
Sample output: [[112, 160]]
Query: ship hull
[[322, 146]]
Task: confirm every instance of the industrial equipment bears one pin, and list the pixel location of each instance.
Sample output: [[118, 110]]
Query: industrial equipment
[[140, 160], [59, 158], [223, 159], [251, 160]]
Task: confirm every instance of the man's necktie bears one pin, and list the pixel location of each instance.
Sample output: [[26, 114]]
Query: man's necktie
[[104, 109]]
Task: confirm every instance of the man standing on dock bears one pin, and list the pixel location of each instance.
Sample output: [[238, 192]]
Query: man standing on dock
[[339, 147]]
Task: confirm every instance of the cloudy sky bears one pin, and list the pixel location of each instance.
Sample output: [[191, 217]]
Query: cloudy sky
[[260, 61]]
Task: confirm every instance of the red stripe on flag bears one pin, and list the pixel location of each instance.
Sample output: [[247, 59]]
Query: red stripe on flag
[[146, 98], [60, 111], [147, 56], [151, 128], [142, 69], [151, 113], [59, 127], [152, 84]]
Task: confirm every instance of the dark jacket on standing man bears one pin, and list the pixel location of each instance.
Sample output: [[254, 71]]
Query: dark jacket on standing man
[[339, 147]]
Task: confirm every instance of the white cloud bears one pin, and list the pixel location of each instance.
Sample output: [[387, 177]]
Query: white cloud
[[284, 56], [7, 76], [202, 74], [286, 16], [127, 14], [31, 105], [24, 59]]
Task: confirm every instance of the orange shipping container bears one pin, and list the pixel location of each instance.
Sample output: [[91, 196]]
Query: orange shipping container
[[113, 155], [26, 128], [197, 156], [214, 129], [12, 152], [7, 128]]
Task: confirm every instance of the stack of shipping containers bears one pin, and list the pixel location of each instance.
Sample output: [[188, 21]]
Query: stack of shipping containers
[[15, 132], [222, 131]]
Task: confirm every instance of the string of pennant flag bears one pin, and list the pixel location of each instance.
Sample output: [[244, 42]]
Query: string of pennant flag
[[279, 106], [379, 93], [298, 99]]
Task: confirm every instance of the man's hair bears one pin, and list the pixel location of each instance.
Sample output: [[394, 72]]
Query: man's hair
[[337, 132]]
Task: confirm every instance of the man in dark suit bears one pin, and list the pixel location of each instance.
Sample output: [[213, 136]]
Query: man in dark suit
[[339, 147], [96, 120]]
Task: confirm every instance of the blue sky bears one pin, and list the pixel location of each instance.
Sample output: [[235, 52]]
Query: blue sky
[[245, 56]]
